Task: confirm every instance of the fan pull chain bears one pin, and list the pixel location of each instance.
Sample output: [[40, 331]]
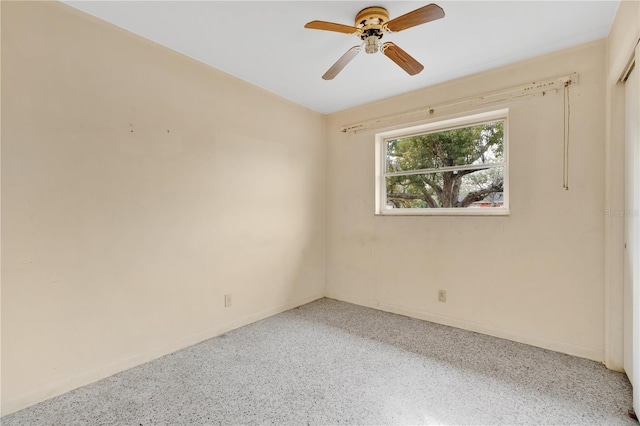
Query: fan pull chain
[[567, 135]]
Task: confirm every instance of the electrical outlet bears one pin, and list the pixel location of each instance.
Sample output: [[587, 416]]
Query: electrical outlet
[[442, 296], [227, 300]]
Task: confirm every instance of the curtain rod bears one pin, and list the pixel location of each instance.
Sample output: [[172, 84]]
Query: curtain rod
[[537, 88]]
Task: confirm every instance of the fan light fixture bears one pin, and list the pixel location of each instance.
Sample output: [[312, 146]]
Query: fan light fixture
[[371, 44]]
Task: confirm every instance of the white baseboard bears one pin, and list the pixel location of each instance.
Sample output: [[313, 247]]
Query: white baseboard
[[541, 342], [62, 386]]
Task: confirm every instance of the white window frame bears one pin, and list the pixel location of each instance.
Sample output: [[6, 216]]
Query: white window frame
[[434, 127]]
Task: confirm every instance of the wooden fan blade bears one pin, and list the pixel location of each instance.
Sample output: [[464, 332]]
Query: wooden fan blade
[[341, 63], [425, 14], [402, 58], [331, 26]]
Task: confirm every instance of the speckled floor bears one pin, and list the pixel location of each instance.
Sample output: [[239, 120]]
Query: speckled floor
[[331, 362]]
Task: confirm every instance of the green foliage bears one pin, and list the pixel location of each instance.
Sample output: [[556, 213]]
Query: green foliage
[[475, 145]]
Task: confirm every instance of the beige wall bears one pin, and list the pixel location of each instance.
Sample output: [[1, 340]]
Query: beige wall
[[535, 276], [138, 187]]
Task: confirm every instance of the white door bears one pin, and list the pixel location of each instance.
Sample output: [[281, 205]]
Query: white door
[[632, 233]]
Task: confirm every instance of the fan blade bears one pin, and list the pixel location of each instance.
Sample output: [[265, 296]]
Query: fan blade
[[331, 26], [425, 14], [341, 63], [402, 58]]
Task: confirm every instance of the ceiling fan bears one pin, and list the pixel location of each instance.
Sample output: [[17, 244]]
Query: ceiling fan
[[370, 25]]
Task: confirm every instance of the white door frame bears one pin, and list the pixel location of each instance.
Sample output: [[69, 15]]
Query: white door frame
[[632, 229]]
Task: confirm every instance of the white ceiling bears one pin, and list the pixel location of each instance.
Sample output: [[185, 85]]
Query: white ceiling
[[265, 42]]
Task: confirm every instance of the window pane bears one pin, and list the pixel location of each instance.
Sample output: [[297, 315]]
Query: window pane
[[479, 144], [455, 189]]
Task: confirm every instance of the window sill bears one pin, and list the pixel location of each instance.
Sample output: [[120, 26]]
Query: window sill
[[445, 212]]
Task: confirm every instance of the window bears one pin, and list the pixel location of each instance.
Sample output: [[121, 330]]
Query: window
[[456, 167]]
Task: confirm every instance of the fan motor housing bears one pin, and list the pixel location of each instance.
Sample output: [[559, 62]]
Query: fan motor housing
[[370, 23], [366, 17]]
